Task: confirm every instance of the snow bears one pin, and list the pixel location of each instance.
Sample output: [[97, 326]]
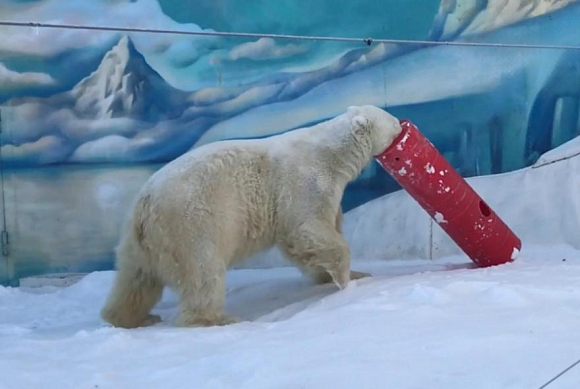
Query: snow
[[414, 324], [439, 218], [567, 150]]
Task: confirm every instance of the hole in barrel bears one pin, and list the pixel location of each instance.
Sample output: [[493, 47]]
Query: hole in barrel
[[485, 211], [397, 159]]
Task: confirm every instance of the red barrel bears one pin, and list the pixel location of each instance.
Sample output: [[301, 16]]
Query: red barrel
[[426, 175]]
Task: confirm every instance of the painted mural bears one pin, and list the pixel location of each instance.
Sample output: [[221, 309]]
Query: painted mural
[[88, 116]]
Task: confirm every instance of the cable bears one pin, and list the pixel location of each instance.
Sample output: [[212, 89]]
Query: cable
[[4, 231], [560, 375], [366, 41]]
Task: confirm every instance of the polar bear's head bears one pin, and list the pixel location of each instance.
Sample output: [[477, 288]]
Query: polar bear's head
[[376, 124]]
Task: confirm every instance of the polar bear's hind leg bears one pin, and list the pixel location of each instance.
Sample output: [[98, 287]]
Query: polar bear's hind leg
[[133, 295]]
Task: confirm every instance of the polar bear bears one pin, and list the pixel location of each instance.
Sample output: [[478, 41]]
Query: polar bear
[[225, 201]]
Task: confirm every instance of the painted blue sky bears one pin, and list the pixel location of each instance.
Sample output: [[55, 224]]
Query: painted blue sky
[[191, 63], [71, 94]]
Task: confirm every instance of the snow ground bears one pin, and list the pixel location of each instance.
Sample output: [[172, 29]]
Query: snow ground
[[414, 324]]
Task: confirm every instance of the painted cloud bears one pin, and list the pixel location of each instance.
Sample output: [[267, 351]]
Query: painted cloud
[[264, 49], [466, 17], [10, 79], [50, 42]]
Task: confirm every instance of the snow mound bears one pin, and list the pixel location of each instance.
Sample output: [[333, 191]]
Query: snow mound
[[569, 149]]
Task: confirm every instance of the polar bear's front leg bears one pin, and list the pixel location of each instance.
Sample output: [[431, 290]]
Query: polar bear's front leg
[[319, 251]]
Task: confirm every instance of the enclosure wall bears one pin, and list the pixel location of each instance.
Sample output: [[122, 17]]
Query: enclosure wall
[[88, 116]]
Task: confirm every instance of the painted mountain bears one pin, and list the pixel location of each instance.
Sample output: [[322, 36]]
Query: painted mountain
[[112, 107], [124, 85]]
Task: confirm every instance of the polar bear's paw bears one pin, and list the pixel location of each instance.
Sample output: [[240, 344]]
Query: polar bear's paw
[[192, 320], [357, 275]]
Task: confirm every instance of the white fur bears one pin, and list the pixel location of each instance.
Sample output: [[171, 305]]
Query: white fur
[[222, 202]]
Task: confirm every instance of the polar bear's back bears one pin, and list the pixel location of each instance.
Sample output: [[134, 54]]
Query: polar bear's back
[[206, 171], [224, 190]]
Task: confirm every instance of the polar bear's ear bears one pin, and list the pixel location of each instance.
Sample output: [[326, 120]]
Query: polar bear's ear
[[360, 123]]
